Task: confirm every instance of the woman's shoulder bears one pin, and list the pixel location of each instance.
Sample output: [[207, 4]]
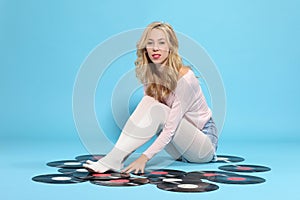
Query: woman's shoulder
[[187, 85], [184, 70], [188, 80]]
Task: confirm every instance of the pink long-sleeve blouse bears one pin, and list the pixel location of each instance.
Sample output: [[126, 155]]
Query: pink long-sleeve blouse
[[186, 101]]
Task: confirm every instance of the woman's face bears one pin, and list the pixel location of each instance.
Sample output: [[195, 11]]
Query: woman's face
[[157, 46]]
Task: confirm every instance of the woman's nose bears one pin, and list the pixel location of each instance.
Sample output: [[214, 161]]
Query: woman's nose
[[155, 47]]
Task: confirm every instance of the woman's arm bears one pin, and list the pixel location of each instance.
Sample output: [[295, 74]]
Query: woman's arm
[[184, 98]]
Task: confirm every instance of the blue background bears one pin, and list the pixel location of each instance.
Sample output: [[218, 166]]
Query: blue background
[[255, 45]]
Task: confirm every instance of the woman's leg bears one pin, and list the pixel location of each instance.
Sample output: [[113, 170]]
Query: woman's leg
[[142, 125], [192, 144], [172, 151], [147, 120]]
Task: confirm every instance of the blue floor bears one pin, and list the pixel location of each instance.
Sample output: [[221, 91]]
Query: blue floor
[[24, 158]]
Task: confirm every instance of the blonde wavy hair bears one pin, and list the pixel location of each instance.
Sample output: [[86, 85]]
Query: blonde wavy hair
[[159, 83]]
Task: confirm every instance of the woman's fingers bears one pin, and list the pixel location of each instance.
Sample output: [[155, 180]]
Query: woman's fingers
[[127, 169], [136, 171], [130, 168], [137, 166]]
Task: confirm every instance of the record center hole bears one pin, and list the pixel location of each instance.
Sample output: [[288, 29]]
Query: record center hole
[[61, 178], [187, 186]]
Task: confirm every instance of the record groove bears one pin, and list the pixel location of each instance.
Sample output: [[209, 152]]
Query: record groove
[[71, 164], [156, 176], [56, 179], [225, 177], [71, 171], [244, 168], [186, 185]]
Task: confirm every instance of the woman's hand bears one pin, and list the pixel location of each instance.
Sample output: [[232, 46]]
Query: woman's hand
[[137, 165]]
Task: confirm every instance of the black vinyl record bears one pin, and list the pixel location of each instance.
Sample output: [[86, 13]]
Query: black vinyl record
[[122, 182], [225, 177], [158, 180], [186, 185], [109, 175], [71, 164], [228, 159], [164, 173], [56, 179], [239, 179], [92, 157], [180, 180], [71, 171], [208, 175], [156, 176], [244, 168]]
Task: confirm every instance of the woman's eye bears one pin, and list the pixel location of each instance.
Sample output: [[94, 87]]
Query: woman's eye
[[149, 43], [161, 42]]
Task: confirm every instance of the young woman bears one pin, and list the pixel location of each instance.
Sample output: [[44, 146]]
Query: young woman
[[173, 107]]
